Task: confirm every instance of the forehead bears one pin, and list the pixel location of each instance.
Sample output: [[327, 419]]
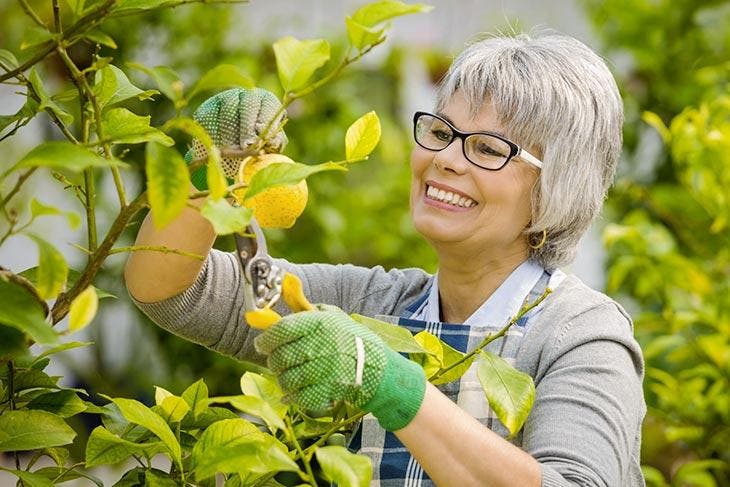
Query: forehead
[[461, 114]]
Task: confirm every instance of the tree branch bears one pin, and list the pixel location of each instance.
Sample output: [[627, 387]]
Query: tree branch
[[61, 307]]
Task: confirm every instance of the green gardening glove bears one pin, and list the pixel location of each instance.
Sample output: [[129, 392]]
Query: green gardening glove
[[235, 119], [324, 357]]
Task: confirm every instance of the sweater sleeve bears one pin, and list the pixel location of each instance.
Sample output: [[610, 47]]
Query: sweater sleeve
[[210, 311], [585, 425]]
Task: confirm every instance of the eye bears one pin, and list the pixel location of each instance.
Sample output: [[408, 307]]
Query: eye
[[486, 149], [441, 134]]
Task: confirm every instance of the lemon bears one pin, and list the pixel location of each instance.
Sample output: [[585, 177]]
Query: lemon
[[277, 207]]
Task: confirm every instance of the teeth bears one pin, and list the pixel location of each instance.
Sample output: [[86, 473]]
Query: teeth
[[449, 197]]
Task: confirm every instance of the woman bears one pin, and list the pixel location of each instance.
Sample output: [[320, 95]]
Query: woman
[[507, 175]]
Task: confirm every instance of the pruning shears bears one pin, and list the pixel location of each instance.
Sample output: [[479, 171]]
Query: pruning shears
[[263, 278], [264, 281]]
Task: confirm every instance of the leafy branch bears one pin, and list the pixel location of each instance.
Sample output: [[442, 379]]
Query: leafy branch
[[526, 308]]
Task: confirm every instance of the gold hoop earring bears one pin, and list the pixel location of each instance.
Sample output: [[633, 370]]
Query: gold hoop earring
[[540, 243]]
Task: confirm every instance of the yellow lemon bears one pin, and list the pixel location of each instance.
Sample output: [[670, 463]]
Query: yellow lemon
[[277, 207]]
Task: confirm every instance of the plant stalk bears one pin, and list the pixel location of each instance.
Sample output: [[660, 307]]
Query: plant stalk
[[301, 453], [492, 337]]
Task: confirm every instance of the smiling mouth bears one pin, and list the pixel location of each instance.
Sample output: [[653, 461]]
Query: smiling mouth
[[449, 197]]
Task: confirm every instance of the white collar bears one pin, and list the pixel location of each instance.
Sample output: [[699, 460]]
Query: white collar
[[504, 303]]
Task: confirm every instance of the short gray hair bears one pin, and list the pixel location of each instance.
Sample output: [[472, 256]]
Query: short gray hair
[[554, 94]]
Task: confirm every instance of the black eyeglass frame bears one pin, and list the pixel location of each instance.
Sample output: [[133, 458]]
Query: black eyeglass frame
[[515, 150]]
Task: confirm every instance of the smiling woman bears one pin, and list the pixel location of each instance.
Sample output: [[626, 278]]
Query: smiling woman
[[507, 175]]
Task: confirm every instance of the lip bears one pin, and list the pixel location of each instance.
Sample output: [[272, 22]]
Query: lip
[[442, 205]]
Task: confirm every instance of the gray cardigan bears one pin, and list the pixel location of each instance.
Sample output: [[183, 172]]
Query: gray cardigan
[[585, 425]]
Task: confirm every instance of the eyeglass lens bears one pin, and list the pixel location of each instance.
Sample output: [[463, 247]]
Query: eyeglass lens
[[482, 149]]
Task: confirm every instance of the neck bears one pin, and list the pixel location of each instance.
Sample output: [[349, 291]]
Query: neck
[[466, 282]]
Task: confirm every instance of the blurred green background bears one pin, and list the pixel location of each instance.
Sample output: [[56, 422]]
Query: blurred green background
[[665, 227]]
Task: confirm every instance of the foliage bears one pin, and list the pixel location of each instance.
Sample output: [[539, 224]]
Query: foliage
[[668, 247], [105, 118]]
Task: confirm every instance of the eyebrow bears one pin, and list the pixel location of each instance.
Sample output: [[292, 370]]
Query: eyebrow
[[446, 117]]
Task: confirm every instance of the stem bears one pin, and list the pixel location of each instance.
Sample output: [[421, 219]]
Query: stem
[[11, 398], [334, 429], [26, 8], [301, 453], [89, 203], [57, 17], [155, 248], [290, 97], [23, 177], [490, 338], [62, 304]]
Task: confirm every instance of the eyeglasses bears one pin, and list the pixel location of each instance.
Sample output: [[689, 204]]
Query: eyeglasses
[[486, 150]]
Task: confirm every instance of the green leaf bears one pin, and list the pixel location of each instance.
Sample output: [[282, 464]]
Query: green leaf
[[83, 309], [34, 36], [73, 277], [226, 219], [361, 36], [209, 416], [451, 356], [112, 86], [197, 397], [174, 409], [167, 80], [137, 413], [33, 430], [34, 379], [40, 209], [98, 37], [52, 269], [362, 137], [157, 478], [236, 445], [45, 100], [297, 60], [395, 336], [285, 173], [22, 311], [161, 394], [190, 127], [65, 155], [510, 392], [103, 447], [344, 468], [265, 388], [255, 406], [220, 77], [64, 403], [62, 474], [61, 348], [12, 344], [124, 127], [27, 111], [8, 60], [214, 175], [375, 13], [433, 360], [30, 479], [655, 121], [168, 183]]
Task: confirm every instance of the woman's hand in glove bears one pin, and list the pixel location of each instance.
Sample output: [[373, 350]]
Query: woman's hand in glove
[[324, 357]]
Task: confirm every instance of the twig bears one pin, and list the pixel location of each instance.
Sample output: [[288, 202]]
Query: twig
[[23, 177], [57, 17], [155, 248], [61, 306], [9, 276], [490, 338], [301, 453], [28, 10]]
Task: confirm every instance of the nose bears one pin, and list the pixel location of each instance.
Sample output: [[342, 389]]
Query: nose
[[451, 158]]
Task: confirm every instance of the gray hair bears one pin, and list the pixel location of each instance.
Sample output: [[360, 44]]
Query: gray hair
[[554, 94]]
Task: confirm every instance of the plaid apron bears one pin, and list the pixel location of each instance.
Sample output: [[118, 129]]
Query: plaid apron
[[393, 465]]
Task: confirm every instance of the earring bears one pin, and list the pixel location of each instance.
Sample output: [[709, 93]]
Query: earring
[[538, 245]]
